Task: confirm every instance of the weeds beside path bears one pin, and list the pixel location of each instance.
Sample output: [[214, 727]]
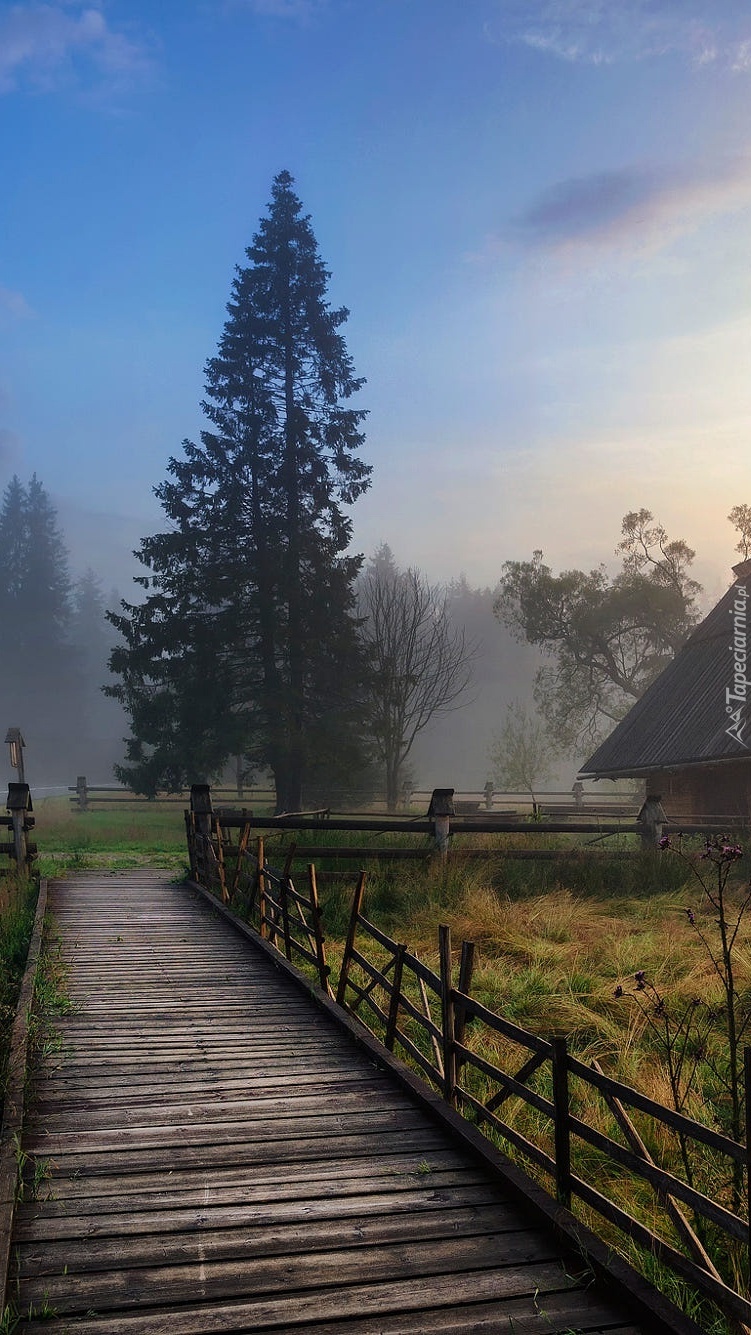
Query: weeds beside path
[[16, 923]]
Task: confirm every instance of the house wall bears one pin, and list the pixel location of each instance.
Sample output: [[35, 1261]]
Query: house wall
[[697, 791]]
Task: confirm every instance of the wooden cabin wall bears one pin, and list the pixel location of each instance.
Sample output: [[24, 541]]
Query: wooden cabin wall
[[705, 790]]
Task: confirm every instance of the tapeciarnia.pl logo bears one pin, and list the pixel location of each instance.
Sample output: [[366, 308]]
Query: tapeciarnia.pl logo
[[737, 695]]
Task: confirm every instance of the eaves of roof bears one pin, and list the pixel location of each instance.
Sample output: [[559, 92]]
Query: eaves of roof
[[684, 717]]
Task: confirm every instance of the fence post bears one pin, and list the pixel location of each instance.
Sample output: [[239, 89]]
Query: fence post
[[262, 926], [284, 884], [350, 942], [190, 831], [440, 811], [396, 988], [561, 1124], [651, 818], [19, 805], [220, 861], [323, 968], [82, 793], [447, 1014], [201, 810], [466, 969]]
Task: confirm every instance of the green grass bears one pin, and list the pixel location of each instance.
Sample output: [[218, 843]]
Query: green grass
[[18, 896], [139, 836]]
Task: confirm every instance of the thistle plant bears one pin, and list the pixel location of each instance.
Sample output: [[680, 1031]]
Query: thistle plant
[[686, 1033], [681, 1033]]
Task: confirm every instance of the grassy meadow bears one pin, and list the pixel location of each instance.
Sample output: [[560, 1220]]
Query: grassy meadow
[[560, 948], [125, 836]]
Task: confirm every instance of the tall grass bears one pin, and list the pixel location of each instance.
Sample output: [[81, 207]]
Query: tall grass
[[18, 896]]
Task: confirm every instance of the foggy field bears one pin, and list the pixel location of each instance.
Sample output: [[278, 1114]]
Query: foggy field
[[140, 836]]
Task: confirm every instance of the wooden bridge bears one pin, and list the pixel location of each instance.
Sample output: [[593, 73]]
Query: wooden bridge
[[209, 1148]]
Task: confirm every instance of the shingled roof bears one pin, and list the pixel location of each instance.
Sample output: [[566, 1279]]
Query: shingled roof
[[685, 716]]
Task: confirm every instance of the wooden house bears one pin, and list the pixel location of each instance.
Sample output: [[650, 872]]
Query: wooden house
[[689, 736]]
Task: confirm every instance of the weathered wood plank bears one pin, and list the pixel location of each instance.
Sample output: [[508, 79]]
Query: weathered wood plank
[[127, 1216], [365, 1173], [356, 1301], [213, 1242], [216, 1280]]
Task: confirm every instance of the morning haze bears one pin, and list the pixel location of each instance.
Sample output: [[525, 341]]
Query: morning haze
[[536, 215]]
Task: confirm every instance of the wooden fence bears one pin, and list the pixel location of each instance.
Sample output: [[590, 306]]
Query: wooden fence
[[91, 797], [426, 1017], [17, 848], [86, 796], [584, 839], [566, 1119], [266, 898]]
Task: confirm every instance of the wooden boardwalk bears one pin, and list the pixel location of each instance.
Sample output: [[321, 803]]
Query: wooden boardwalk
[[212, 1153]]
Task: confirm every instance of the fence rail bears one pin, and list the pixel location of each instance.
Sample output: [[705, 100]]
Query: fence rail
[[571, 1121], [85, 796]]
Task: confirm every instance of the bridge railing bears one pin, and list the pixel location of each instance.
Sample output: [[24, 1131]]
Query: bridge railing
[[265, 897], [567, 1120]]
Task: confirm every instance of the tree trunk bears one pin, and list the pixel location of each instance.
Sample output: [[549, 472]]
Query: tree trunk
[[288, 784], [393, 774]]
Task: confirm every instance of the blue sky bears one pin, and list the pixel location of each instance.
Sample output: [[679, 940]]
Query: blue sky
[[537, 212]]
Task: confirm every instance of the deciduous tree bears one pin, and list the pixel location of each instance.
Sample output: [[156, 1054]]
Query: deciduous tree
[[740, 518], [247, 640], [606, 637], [522, 753], [420, 666]]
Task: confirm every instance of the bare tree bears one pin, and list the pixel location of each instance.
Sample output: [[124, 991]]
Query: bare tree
[[420, 665]]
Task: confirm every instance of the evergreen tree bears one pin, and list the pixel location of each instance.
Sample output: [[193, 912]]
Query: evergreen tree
[[34, 579], [247, 640], [93, 639], [39, 684]]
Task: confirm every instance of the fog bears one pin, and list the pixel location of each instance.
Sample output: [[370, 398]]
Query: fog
[[537, 216]]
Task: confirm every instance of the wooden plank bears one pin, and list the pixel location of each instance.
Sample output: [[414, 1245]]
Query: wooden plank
[[215, 1280], [227, 1208], [348, 1228], [363, 1174], [411, 1294]]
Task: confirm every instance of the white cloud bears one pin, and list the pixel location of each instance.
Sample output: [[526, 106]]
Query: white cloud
[[702, 32], [41, 45]]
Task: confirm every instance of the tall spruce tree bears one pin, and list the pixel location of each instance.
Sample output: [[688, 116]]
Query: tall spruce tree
[[40, 688], [247, 639]]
